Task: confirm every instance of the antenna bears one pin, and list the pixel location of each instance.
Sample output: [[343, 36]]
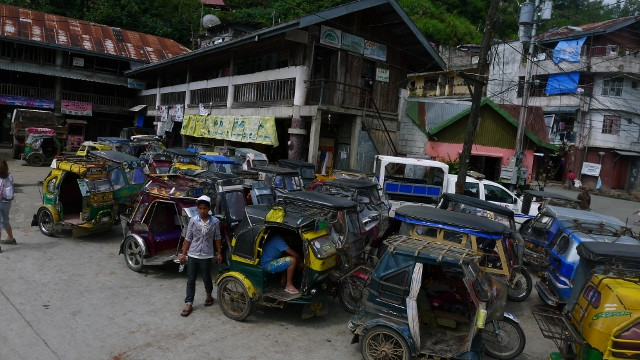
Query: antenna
[[208, 21]]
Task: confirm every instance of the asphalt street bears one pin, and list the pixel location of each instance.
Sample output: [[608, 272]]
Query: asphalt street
[[75, 298]]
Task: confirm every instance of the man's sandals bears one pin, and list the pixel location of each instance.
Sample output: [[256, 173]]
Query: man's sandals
[[186, 312]]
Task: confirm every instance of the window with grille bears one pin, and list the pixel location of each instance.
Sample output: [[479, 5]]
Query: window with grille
[[612, 87], [611, 125]]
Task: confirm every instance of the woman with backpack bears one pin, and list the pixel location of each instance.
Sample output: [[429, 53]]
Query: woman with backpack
[[6, 197]]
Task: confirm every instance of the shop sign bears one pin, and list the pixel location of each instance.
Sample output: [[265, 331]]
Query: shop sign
[[136, 84], [352, 43], [26, 102], [382, 75], [79, 62], [374, 50], [330, 36], [78, 108], [592, 169]]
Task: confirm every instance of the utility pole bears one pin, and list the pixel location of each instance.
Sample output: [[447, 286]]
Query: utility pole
[[522, 118], [476, 98]]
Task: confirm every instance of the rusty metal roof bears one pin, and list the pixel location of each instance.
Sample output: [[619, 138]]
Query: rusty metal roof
[[564, 33], [59, 31]]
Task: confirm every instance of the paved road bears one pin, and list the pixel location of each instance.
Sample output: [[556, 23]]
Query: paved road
[[66, 298]]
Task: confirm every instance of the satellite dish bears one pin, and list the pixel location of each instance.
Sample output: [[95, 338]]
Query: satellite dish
[[209, 21]]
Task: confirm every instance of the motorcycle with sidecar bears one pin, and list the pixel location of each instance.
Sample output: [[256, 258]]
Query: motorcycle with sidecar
[[76, 196], [601, 319], [153, 231], [323, 229], [430, 299], [503, 338], [41, 146], [518, 278]]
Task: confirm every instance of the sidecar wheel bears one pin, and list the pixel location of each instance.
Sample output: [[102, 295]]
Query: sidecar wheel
[[234, 299], [36, 159], [133, 254], [46, 222], [521, 287], [382, 342]]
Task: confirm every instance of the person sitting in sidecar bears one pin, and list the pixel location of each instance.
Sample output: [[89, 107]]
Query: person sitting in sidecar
[[272, 261]]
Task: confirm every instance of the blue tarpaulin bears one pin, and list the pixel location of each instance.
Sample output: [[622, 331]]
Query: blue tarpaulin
[[568, 50], [563, 83]]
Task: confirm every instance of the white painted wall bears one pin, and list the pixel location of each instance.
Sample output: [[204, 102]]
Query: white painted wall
[[504, 71]]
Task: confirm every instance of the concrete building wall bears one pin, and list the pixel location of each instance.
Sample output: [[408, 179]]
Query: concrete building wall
[[411, 140], [504, 71]]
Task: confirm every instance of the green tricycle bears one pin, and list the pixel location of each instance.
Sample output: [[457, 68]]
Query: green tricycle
[[41, 147]]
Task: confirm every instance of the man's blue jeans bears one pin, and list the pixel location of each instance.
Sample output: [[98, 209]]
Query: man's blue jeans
[[195, 266]]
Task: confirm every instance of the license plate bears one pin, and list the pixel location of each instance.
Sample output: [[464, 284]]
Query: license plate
[[105, 219]]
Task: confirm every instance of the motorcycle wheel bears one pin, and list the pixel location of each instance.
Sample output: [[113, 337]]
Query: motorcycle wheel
[[351, 293], [520, 288], [234, 299], [503, 339], [382, 342]]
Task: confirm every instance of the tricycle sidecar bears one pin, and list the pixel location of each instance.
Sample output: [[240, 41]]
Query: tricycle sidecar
[[315, 226], [41, 146], [601, 319], [426, 298], [77, 196]]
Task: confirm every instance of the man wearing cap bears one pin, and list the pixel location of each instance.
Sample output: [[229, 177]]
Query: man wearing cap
[[203, 229]]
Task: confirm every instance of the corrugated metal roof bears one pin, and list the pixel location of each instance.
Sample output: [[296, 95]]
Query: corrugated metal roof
[[421, 55], [59, 31], [587, 29]]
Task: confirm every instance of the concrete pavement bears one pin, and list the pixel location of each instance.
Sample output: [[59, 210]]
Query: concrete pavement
[[74, 298]]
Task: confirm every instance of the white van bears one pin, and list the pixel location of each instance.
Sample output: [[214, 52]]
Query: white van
[[412, 181], [476, 186]]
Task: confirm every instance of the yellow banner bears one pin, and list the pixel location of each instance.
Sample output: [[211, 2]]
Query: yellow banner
[[257, 129]]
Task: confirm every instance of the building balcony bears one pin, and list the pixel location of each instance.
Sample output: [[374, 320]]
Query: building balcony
[[100, 100], [27, 91], [333, 93]]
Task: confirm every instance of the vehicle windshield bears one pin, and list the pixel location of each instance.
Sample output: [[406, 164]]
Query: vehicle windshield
[[99, 185], [307, 173], [291, 182], [34, 141], [255, 163], [136, 176], [185, 159], [116, 176], [236, 204], [470, 209]]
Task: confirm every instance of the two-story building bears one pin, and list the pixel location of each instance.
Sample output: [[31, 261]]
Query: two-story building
[[586, 78], [72, 67], [324, 87]]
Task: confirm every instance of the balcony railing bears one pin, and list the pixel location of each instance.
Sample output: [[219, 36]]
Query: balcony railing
[[27, 91], [328, 92], [216, 96], [113, 101], [265, 93]]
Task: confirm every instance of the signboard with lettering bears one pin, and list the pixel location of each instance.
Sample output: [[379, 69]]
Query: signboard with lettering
[[375, 51], [77, 61], [76, 108], [592, 169], [382, 75], [255, 129], [26, 102], [136, 84], [352, 43], [330, 36]]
